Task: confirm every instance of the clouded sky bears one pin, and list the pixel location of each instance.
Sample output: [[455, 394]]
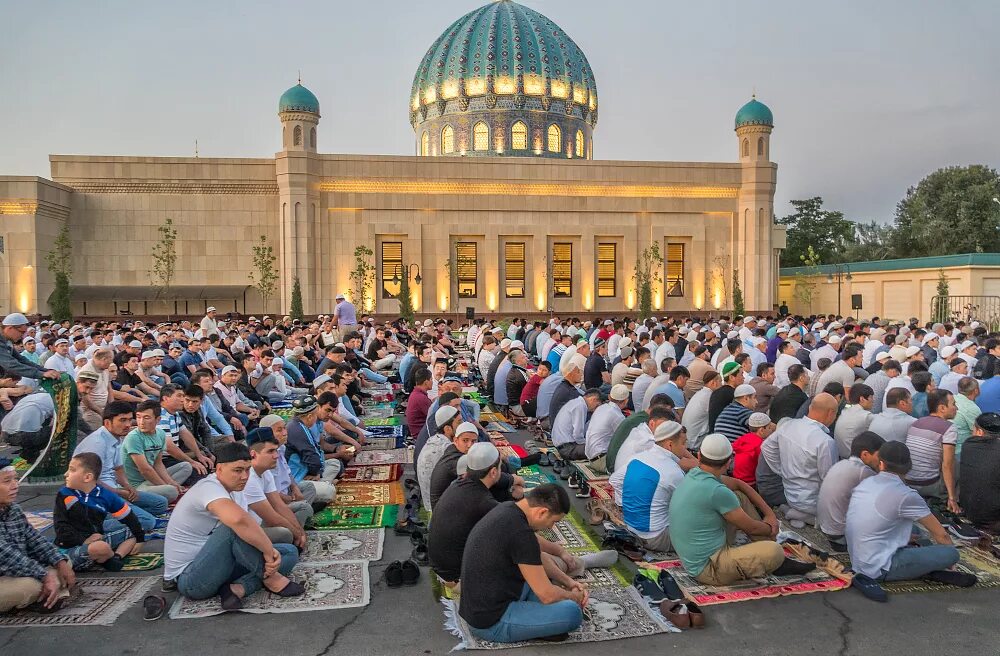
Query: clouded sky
[[868, 97]]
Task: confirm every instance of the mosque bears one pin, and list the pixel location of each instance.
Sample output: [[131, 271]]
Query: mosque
[[504, 206]]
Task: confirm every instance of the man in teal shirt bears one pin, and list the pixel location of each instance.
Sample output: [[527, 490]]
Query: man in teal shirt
[[706, 510], [965, 418]]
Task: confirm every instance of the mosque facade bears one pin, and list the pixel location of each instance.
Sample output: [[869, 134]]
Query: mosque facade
[[503, 207]]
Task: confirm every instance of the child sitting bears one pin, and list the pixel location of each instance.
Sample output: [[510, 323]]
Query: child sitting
[[746, 448], [85, 514]]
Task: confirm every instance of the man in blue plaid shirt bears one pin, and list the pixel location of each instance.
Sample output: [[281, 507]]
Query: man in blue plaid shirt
[[33, 573]]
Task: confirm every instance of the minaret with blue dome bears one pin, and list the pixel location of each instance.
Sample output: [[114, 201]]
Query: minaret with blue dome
[[298, 109], [754, 254]]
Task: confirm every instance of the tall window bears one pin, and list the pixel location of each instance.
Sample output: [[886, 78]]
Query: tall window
[[312, 137], [425, 144], [467, 265], [562, 270], [675, 270], [555, 139], [746, 148], [607, 267], [519, 136], [579, 143], [481, 137], [297, 136], [760, 146], [513, 266], [448, 140], [392, 265]]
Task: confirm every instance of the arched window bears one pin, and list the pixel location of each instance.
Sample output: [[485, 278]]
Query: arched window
[[555, 138], [519, 136], [579, 143], [448, 140], [480, 136], [312, 137], [746, 148], [297, 136], [760, 146], [425, 144]]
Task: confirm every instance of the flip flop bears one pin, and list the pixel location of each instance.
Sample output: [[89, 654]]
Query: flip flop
[[153, 607]]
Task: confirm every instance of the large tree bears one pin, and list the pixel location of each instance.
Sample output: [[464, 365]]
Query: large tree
[[950, 211], [827, 231]]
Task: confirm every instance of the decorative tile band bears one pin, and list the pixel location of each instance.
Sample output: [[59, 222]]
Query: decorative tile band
[[241, 189], [18, 206], [527, 189]]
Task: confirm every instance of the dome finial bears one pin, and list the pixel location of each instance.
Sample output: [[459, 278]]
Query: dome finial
[[300, 76]]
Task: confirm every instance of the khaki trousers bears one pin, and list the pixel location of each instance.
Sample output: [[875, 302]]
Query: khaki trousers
[[751, 561], [21, 591]]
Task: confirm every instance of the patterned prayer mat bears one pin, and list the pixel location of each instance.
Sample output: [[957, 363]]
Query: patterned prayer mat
[[380, 444], [392, 457], [373, 474], [383, 421], [500, 427], [389, 431], [491, 416], [41, 520], [570, 533], [369, 494], [96, 601], [615, 612], [589, 473], [533, 476], [344, 545], [329, 586], [357, 517], [142, 562]]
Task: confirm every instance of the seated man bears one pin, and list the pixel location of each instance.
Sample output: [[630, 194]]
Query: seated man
[[34, 575], [305, 457], [299, 497], [266, 506], [880, 521], [213, 545], [732, 421], [142, 456], [569, 430], [707, 510], [446, 470], [640, 438], [447, 419], [843, 477], [106, 443], [506, 594], [805, 453], [88, 519], [418, 403], [644, 486], [602, 426], [931, 441], [979, 494]]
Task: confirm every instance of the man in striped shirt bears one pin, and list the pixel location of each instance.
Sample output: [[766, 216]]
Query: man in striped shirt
[[931, 441], [732, 421]]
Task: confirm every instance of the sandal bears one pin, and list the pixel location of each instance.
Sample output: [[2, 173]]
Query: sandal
[[153, 607]]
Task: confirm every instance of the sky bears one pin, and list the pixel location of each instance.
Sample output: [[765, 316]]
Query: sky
[[868, 97]]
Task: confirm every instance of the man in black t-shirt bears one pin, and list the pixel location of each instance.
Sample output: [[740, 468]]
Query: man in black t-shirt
[[979, 494], [507, 487], [595, 373], [506, 595]]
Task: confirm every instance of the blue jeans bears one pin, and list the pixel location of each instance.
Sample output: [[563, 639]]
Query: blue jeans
[[225, 558], [913, 562], [529, 618], [114, 535], [147, 506], [372, 377]]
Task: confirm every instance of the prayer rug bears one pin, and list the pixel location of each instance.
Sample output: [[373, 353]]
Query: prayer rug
[[389, 431], [373, 474], [344, 545], [329, 586], [615, 612], [369, 494], [477, 397], [143, 562], [589, 473], [157, 534], [379, 444], [96, 601], [570, 533], [392, 457], [500, 427], [41, 520], [763, 588], [533, 476], [383, 421], [491, 416], [356, 517]]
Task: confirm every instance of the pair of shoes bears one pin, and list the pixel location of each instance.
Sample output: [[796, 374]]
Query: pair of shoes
[[567, 471], [574, 480], [544, 461], [870, 588], [683, 614], [418, 537], [406, 527], [624, 546], [402, 573], [584, 489], [420, 554], [648, 588]]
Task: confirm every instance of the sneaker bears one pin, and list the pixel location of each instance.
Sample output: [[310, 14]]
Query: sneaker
[[870, 588], [574, 479], [169, 585], [951, 577]]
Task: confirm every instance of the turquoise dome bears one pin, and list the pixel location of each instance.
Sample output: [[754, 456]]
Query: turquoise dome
[[754, 113], [516, 49], [298, 99]]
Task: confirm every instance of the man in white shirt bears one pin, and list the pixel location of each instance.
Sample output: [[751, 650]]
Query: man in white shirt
[[842, 371], [895, 420], [569, 429], [261, 492], [60, 359], [786, 358], [854, 419], [805, 454], [840, 481], [209, 326], [642, 384], [602, 426], [829, 350], [695, 418], [214, 547]]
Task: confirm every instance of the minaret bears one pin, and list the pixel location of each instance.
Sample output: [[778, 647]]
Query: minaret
[[752, 252], [297, 168]]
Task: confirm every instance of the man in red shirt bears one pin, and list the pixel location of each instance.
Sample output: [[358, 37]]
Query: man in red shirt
[[746, 449], [419, 403], [529, 395]]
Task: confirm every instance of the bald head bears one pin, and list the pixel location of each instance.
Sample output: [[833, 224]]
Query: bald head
[[823, 408]]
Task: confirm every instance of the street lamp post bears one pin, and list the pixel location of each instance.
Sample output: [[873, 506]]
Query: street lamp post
[[397, 273], [840, 274]]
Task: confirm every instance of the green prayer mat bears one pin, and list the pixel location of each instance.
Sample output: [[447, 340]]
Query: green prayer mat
[[383, 421], [354, 517], [533, 476], [142, 562]]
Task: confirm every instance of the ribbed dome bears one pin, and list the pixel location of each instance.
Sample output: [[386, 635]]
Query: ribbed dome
[[754, 113], [511, 47], [298, 99]]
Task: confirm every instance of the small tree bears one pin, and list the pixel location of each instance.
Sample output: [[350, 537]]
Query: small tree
[[59, 263], [405, 301], [648, 265], [296, 310], [939, 311], [738, 308], [164, 259], [363, 278], [264, 276], [805, 283]]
